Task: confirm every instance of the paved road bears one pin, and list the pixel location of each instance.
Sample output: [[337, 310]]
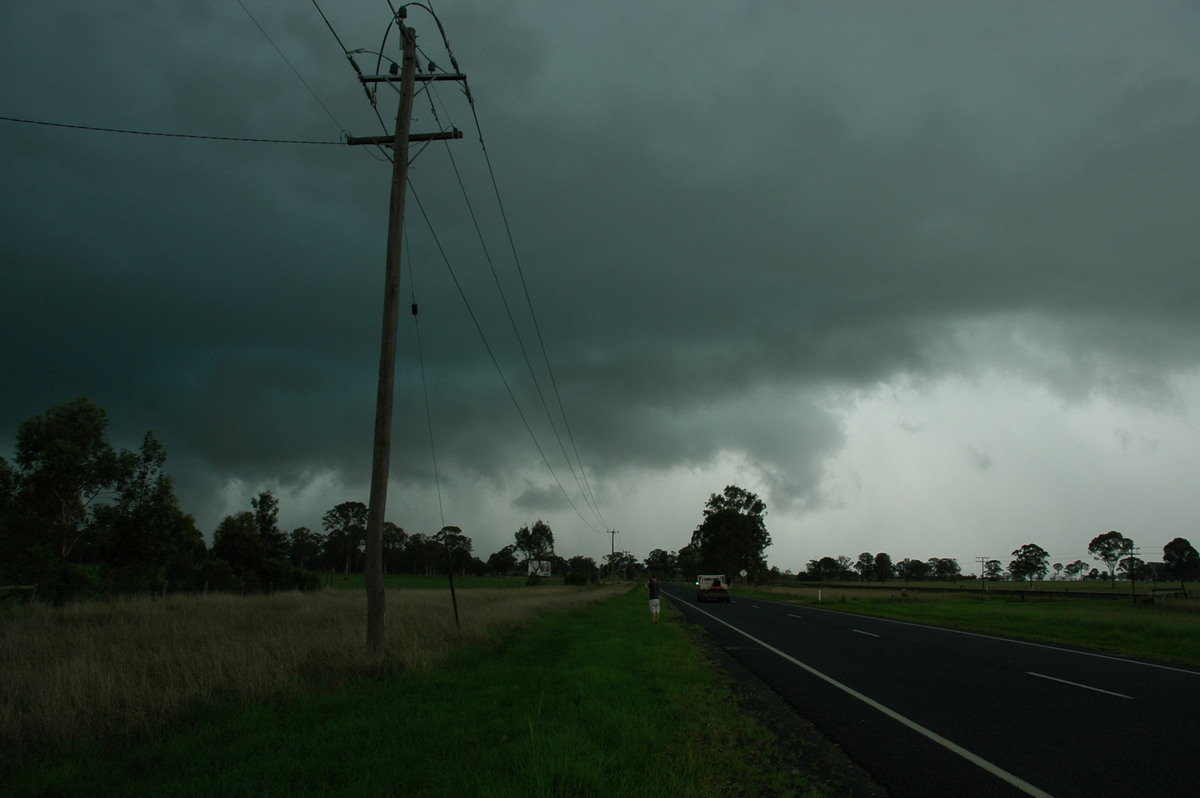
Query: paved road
[[933, 712]]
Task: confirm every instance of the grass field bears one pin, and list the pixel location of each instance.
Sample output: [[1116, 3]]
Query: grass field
[[584, 698], [414, 582], [1165, 629]]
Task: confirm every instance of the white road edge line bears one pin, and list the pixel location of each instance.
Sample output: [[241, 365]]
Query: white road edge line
[[974, 759], [861, 632], [1077, 684]]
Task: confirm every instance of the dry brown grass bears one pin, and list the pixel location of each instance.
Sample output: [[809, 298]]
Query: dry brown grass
[[126, 667]]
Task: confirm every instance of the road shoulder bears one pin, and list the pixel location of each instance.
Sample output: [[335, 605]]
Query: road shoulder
[[819, 757]]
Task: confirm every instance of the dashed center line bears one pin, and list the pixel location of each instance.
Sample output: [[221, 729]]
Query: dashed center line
[[1077, 684], [861, 632]]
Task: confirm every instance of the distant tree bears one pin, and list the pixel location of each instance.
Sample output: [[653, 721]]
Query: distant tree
[[944, 568], [534, 542], [1108, 549], [503, 561], [1181, 561], [394, 539], [993, 569], [620, 563], [865, 565], [1029, 563], [304, 547], [733, 535], [1058, 569], [687, 561], [661, 562], [826, 569], [1076, 569], [266, 520], [882, 566], [236, 541], [345, 532], [422, 554], [1131, 568], [583, 565], [457, 548]]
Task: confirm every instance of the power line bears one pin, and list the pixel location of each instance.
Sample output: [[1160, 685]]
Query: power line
[[495, 362], [95, 129], [295, 71], [516, 331]]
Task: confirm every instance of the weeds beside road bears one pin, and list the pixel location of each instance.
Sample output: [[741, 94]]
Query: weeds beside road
[[589, 698]]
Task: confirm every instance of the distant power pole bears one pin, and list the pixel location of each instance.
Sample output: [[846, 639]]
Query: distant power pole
[[612, 556], [381, 455]]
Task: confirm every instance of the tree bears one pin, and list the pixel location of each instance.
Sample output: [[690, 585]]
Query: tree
[[61, 467], [1131, 567], [992, 569], [394, 539], [687, 561], [346, 532], [144, 539], [661, 562], [865, 565], [503, 561], [733, 534], [266, 519], [457, 548], [1030, 562], [620, 562], [422, 554], [882, 567], [826, 569], [1108, 549], [304, 546], [1076, 569], [536, 542], [584, 566], [944, 568], [1181, 561], [236, 541]]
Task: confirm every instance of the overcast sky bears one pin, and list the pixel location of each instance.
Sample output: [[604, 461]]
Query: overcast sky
[[925, 276]]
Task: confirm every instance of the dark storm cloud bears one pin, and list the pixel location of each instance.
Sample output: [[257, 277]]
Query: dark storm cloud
[[731, 219]]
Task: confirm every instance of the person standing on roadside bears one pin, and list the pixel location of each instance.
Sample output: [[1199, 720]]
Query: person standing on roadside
[[652, 586]]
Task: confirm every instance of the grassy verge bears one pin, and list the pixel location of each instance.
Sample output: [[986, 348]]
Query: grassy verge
[[1166, 630], [592, 701]]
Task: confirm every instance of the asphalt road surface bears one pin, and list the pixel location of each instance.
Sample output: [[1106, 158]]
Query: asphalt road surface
[[934, 712]]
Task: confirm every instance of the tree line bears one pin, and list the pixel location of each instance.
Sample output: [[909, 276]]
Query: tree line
[[1118, 553], [80, 517]]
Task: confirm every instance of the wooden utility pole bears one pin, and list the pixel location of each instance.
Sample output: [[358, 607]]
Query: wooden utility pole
[[381, 453]]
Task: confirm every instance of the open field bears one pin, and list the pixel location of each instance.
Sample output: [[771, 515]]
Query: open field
[[128, 666], [589, 698], [1165, 629], [414, 582]]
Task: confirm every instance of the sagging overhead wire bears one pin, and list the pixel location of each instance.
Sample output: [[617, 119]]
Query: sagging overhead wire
[[491, 354], [580, 478], [585, 488], [398, 16]]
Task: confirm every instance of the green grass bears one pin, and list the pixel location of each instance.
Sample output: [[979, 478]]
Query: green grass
[[597, 701], [1167, 630]]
